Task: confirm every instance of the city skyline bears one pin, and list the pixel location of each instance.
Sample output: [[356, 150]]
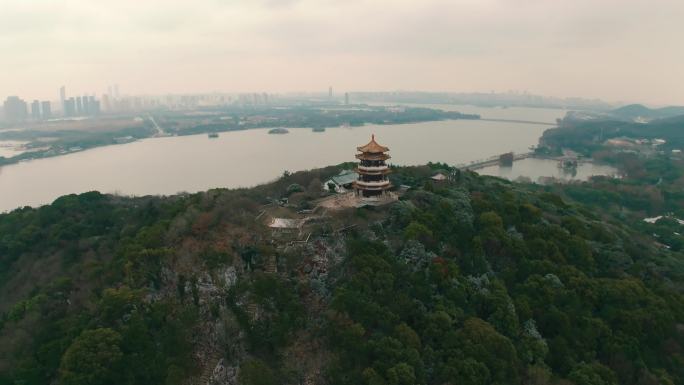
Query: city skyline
[[325, 93], [613, 50], [109, 99]]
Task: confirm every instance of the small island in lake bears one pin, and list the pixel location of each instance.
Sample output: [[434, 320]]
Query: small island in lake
[[318, 129], [279, 130]]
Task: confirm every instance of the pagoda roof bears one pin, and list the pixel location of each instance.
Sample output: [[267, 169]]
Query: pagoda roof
[[373, 147]]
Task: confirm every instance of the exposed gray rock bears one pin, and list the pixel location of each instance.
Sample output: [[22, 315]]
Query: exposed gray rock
[[223, 374]]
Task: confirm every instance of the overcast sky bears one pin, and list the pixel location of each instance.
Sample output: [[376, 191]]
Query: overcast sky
[[617, 50]]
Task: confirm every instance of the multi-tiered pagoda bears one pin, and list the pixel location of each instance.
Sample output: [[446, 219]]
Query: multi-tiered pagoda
[[373, 170]]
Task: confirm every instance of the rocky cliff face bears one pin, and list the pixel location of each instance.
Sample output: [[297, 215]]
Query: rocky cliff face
[[220, 341]]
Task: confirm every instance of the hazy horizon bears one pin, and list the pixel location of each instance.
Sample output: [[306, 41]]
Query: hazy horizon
[[617, 51]]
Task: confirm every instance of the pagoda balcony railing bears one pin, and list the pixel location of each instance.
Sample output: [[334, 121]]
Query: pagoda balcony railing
[[377, 198], [381, 188], [364, 156], [380, 183], [373, 168]]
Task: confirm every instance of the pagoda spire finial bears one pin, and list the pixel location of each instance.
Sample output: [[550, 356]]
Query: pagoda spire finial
[[372, 136]]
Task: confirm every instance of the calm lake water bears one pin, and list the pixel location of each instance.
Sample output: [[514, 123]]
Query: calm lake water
[[169, 165]]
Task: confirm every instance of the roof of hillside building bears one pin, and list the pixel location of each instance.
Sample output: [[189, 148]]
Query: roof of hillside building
[[285, 223], [439, 177], [345, 177], [373, 147]]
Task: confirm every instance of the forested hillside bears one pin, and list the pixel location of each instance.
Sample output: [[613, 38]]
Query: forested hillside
[[586, 136], [472, 281], [636, 111]]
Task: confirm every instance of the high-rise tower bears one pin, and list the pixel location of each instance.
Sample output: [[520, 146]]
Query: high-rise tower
[[45, 109], [16, 109], [62, 98], [35, 110]]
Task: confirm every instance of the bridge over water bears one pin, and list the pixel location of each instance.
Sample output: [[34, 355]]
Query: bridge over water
[[492, 161], [519, 121], [567, 160]]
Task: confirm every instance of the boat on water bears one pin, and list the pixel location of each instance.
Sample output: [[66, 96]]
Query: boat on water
[[278, 130], [213, 135]]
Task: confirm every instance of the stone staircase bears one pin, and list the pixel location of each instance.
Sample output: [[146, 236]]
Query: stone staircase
[[271, 266], [208, 365], [252, 309]]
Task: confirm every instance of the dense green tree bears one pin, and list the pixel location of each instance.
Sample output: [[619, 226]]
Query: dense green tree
[[93, 358], [256, 372], [477, 281], [592, 374]]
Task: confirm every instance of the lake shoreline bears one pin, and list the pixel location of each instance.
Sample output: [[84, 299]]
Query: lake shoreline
[[155, 131], [250, 157], [35, 155]]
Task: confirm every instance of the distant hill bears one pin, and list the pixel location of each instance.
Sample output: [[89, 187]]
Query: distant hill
[[637, 112], [586, 133]]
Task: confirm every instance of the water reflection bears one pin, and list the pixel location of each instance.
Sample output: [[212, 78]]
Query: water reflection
[[540, 170]]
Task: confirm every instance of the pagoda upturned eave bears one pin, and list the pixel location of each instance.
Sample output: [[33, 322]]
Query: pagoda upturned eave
[[368, 156], [373, 147], [373, 170]]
